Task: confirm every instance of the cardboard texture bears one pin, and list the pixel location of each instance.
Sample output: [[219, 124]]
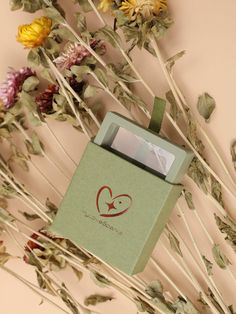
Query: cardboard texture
[[114, 208], [143, 203]]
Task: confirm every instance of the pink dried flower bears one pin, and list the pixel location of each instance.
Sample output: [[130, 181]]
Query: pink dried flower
[[75, 53], [13, 85]]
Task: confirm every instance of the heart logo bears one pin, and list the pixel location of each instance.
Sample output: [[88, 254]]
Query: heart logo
[[112, 206]]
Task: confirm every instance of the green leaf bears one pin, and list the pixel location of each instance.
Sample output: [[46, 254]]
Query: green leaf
[[233, 153], [109, 35], [46, 74], [221, 260], [32, 6], [52, 47], [79, 71], [81, 22], [90, 91], [154, 289], [94, 299], [28, 101], [64, 33], [84, 4], [189, 199], [171, 61], [30, 84], [206, 105], [34, 58], [53, 14], [209, 265], [16, 5], [174, 243]]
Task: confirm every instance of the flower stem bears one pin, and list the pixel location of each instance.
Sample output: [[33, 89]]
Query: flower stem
[[32, 287], [161, 271], [59, 144], [52, 162], [176, 96], [207, 138], [212, 283], [186, 271], [107, 90], [37, 209]]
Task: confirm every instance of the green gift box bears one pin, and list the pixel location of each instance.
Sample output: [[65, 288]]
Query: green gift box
[[116, 206]]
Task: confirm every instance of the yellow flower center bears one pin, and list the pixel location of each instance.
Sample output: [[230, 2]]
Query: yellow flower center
[[33, 35]]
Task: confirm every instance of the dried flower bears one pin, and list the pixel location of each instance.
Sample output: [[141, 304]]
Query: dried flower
[[145, 8], [105, 5], [45, 99], [75, 53], [10, 88], [77, 86], [34, 34]]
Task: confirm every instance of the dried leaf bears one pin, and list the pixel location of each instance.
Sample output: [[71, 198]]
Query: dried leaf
[[189, 199], [206, 105], [171, 61], [35, 146], [229, 228], [185, 306], [67, 299], [3, 203], [101, 76], [100, 280], [78, 273], [199, 174], [233, 153], [174, 243], [216, 191], [81, 22], [142, 306], [221, 260], [174, 109], [94, 299], [209, 265], [4, 256], [154, 289], [29, 217]]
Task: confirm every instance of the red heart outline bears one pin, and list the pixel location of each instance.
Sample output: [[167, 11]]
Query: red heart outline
[[113, 198]]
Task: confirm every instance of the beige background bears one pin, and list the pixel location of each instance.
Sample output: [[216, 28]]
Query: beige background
[[206, 30]]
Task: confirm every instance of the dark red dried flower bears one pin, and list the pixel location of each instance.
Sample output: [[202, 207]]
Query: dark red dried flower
[[45, 99]]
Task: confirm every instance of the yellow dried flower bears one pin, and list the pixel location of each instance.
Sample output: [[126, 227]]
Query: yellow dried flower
[[105, 5], [33, 35], [146, 8]]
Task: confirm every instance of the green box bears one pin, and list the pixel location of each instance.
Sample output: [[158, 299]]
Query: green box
[[115, 209]]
